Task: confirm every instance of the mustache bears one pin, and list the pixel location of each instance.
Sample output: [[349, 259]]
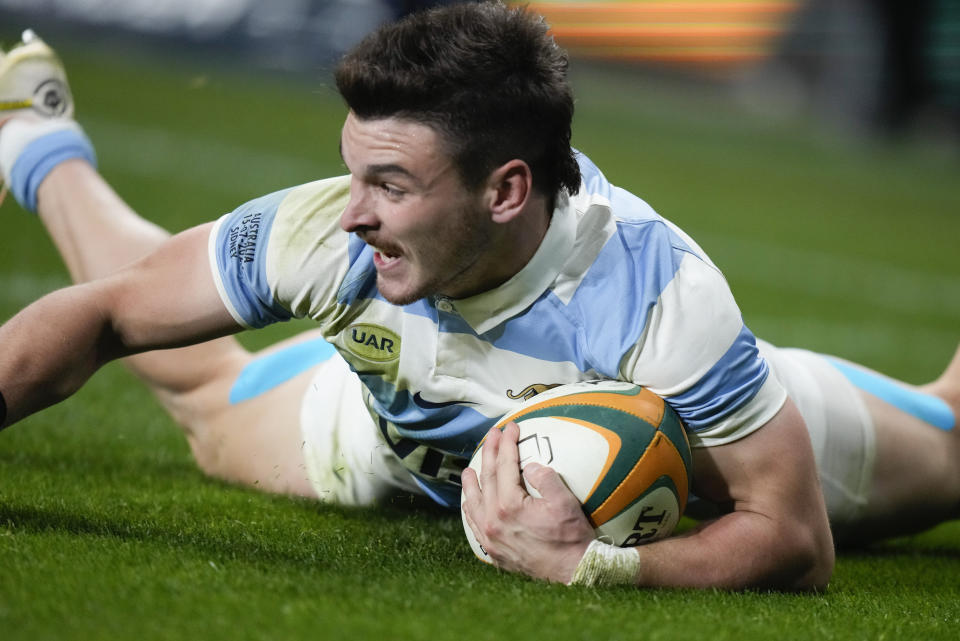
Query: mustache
[[374, 240]]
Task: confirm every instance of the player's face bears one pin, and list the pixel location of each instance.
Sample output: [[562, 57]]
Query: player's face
[[430, 234]]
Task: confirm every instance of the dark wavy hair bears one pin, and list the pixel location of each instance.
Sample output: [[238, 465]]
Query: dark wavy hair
[[488, 78]]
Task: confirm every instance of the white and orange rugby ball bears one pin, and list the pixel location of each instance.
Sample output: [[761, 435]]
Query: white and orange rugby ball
[[620, 449]]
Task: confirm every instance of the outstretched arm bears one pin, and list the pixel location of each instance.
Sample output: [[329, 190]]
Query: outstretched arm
[[775, 536], [166, 299]]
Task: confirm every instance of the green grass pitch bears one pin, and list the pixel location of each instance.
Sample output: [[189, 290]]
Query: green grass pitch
[[108, 531]]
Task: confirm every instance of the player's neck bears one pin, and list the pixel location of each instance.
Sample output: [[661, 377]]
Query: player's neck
[[522, 238], [511, 249]]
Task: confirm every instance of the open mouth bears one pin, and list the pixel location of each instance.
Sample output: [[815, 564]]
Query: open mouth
[[384, 257]]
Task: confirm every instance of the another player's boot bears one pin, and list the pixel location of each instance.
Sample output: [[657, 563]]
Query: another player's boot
[[37, 130], [32, 80]]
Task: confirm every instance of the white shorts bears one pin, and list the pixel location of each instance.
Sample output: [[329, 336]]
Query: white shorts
[[841, 430], [348, 462]]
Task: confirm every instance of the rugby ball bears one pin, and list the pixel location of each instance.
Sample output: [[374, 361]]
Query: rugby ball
[[620, 449]]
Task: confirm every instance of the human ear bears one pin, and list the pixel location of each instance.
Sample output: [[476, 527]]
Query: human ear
[[509, 188]]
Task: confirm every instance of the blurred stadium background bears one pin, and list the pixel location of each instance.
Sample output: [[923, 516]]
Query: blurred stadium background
[[863, 66]]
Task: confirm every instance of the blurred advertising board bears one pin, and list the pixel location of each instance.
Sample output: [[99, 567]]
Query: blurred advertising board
[[284, 33], [700, 34]]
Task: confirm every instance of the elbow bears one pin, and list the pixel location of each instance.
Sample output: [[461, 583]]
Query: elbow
[[817, 571], [810, 559], [821, 569]]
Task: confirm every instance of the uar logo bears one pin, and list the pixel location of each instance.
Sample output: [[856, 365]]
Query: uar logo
[[373, 343]]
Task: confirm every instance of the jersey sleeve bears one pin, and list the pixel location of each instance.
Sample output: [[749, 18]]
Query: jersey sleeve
[[283, 255], [683, 334], [677, 329], [697, 353]]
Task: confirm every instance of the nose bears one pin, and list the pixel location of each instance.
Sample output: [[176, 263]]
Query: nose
[[358, 215]]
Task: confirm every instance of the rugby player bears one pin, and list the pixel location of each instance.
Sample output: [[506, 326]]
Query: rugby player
[[468, 260]]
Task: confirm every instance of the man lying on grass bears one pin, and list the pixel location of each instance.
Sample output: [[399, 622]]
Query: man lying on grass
[[469, 252]]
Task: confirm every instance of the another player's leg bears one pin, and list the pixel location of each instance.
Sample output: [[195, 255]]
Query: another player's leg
[[888, 453], [289, 419], [96, 233], [916, 476], [47, 159], [341, 448]]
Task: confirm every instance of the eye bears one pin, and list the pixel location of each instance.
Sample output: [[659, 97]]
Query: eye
[[391, 191]]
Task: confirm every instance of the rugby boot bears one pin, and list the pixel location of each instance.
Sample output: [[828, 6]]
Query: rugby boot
[[33, 83], [32, 80]]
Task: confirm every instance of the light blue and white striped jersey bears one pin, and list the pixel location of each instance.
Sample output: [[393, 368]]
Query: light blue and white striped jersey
[[614, 291]]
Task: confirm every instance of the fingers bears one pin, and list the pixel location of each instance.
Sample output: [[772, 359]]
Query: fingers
[[500, 474], [471, 485], [480, 490], [472, 500], [509, 484], [480, 502], [498, 489], [543, 538], [548, 482], [488, 461]]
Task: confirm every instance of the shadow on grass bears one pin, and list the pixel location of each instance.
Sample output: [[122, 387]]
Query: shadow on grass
[[942, 540], [904, 551]]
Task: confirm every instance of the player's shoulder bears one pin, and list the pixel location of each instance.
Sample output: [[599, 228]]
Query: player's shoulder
[[307, 221], [327, 196], [641, 231], [319, 202], [597, 190], [627, 211], [284, 215], [310, 210]]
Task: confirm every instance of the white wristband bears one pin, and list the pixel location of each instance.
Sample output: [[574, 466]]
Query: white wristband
[[604, 564]]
